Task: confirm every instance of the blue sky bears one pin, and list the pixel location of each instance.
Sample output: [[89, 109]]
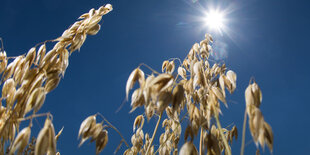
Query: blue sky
[[267, 39]]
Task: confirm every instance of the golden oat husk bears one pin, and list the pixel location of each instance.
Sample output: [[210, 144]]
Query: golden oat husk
[[164, 65], [137, 99], [164, 99], [51, 84], [101, 141], [36, 100], [30, 57], [40, 54], [188, 149], [218, 93], [8, 85], [86, 127], [42, 142], [3, 61], [268, 136], [136, 75], [182, 72], [139, 121], [21, 140], [249, 97], [161, 82], [93, 30], [51, 137], [257, 94], [232, 77], [95, 131], [170, 67]]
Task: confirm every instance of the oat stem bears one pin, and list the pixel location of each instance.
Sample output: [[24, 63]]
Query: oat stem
[[34, 116], [222, 134], [243, 133], [2, 47], [113, 127], [201, 141], [154, 133], [150, 68], [176, 59]]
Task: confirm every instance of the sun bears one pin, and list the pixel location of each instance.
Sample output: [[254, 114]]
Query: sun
[[214, 19]]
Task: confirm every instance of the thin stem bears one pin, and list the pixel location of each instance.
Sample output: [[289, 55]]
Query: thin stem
[[34, 116], [154, 71], [176, 59], [222, 134], [154, 133], [201, 141], [14, 57], [2, 47], [44, 42], [113, 127], [243, 133]]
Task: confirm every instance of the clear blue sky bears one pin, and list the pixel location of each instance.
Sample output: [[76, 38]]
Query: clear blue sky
[[267, 39]]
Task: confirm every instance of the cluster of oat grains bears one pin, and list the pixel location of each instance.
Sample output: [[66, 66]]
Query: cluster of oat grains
[[27, 79], [197, 89]]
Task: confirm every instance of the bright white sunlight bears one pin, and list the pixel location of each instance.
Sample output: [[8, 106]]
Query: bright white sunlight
[[215, 19]]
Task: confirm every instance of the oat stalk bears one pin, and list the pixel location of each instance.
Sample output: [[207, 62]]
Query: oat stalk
[[34, 116], [201, 142], [243, 133], [154, 133], [227, 148]]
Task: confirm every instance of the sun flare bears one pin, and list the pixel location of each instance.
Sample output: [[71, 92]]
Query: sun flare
[[214, 19]]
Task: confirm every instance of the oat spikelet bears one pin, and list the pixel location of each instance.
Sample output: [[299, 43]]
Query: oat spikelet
[[85, 128], [36, 99], [182, 72], [136, 75], [162, 82], [188, 149], [260, 130], [178, 97], [139, 121], [95, 131], [164, 65], [3, 61], [46, 142], [232, 77], [101, 141], [21, 140]]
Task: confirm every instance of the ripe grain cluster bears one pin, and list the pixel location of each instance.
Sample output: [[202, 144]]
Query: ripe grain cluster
[[196, 88], [27, 79]]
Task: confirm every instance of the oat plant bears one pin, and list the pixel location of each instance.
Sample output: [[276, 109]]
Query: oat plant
[[28, 78], [186, 97]]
